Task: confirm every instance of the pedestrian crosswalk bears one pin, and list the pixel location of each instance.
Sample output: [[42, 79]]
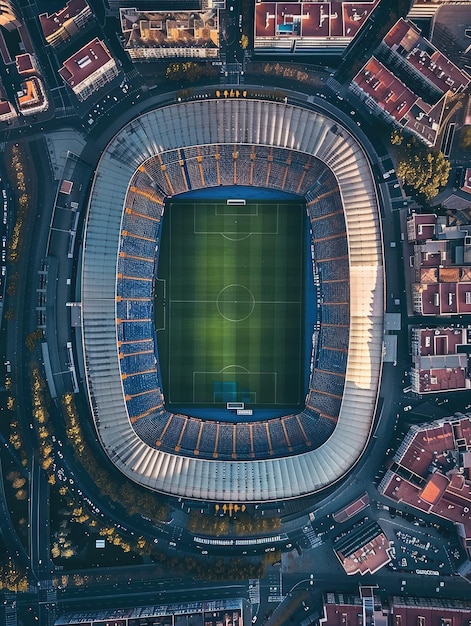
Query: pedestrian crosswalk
[[254, 591], [134, 73], [276, 587], [9, 610], [64, 112], [311, 538], [334, 84]]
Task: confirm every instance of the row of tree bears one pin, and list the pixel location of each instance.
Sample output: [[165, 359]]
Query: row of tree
[[189, 72], [134, 500], [241, 524]]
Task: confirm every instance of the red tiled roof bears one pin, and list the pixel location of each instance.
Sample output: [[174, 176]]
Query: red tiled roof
[[5, 107], [433, 490], [369, 558]]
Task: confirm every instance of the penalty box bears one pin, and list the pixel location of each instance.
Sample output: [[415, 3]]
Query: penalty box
[[230, 219], [244, 387]]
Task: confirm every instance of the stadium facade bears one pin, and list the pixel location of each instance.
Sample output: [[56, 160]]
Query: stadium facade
[[197, 144]]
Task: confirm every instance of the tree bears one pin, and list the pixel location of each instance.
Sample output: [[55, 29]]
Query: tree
[[19, 482], [423, 170], [465, 138], [397, 138], [67, 553], [188, 71], [244, 42]]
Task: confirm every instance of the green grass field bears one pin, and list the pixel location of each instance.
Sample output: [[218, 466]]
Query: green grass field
[[229, 304]]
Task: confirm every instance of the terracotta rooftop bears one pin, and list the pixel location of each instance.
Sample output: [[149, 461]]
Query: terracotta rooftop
[[5, 107], [411, 611], [433, 490], [352, 509], [439, 340]]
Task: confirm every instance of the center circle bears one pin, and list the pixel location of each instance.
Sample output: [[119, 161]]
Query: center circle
[[235, 303]]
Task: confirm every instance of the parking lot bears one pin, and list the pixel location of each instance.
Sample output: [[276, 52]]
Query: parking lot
[[418, 547]]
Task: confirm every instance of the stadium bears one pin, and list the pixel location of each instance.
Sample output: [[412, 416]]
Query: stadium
[[245, 143]]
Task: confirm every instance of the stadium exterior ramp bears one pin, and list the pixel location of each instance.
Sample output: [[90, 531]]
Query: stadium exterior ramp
[[253, 122]]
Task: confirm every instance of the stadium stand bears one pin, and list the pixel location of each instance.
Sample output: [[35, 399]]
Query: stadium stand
[[140, 381], [325, 403], [208, 437], [193, 169], [244, 443], [141, 403], [135, 266], [174, 427], [135, 347], [192, 155], [139, 362], [335, 337], [326, 381], [135, 245], [337, 314], [128, 330], [295, 434], [336, 291], [244, 165], [328, 225], [333, 268], [278, 439], [333, 361], [139, 237], [314, 424], [190, 435], [329, 249], [134, 287], [261, 442], [225, 445]]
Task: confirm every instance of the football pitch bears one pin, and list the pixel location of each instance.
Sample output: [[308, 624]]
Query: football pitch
[[229, 304]]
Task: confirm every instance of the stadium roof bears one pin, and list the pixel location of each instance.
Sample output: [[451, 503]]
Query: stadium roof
[[233, 121]]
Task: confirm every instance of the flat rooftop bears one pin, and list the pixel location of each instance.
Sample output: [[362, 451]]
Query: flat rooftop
[[388, 91], [333, 18], [85, 62], [154, 29], [53, 22], [435, 446], [405, 39]]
